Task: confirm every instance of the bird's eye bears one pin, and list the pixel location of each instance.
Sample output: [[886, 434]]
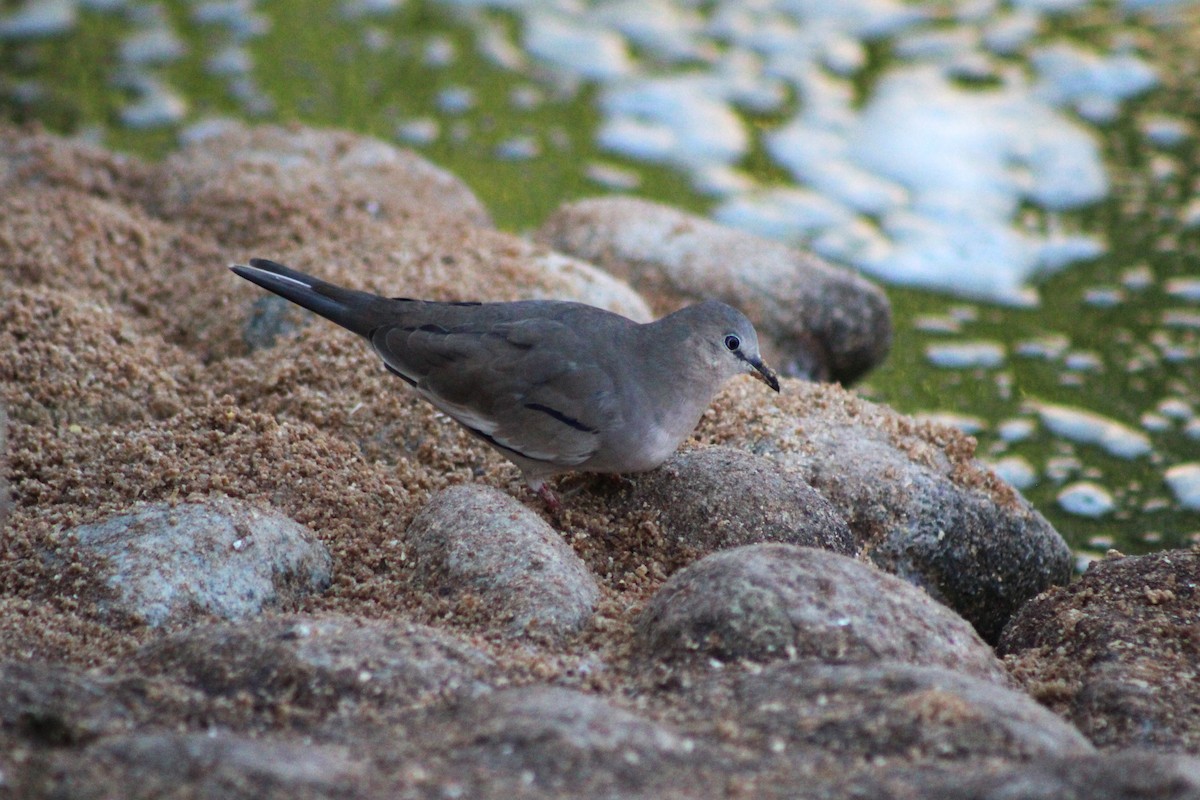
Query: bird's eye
[[732, 342]]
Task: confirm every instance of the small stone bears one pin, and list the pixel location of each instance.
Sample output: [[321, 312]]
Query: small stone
[[772, 601], [919, 503], [164, 563], [320, 663], [886, 709], [213, 763], [716, 497], [1103, 776], [474, 539], [1115, 651], [580, 745]]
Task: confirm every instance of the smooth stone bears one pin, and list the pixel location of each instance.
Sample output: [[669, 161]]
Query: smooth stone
[[474, 539], [884, 710], [222, 557], [1116, 651], [772, 602], [714, 497], [920, 504], [320, 664]]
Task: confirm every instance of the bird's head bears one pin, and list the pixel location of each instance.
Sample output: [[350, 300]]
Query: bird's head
[[727, 341]]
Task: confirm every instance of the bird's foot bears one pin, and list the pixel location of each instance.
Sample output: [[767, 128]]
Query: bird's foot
[[553, 504]]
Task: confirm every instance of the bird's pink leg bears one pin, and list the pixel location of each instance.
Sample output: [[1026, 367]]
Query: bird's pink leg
[[549, 498]]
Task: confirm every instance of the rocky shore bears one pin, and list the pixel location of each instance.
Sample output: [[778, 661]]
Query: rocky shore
[[239, 559]]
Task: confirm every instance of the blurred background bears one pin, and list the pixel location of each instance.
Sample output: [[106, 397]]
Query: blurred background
[[1021, 176]]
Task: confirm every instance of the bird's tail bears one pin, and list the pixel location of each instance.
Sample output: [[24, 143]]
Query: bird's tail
[[360, 312]]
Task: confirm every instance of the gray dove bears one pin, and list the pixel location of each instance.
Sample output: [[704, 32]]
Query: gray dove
[[554, 386]]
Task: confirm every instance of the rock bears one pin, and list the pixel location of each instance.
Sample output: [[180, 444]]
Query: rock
[[882, 710], [213, 764], [711, 498], [566, 278], [303, 174], [222, 557], [307, 667], [563, 743], [1116, 652], [918, 502], [477, 540], [1109, 776], [772, 601], [814, 320], [55, 706], [30, 157]]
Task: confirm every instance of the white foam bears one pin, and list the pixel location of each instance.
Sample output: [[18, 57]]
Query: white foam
[[1016, 472], [1015, 430], [686, 118], [946, 170], [573, 45], [1175, 408], [418, 131], [494, 44], [455, 99], [236, 16], [1009, 33], [668, 29], [790, 214], [1086, 427], [38, 18], [1184, 482], [157, 45], [1165, 131], [518, 148], [356, 9], [966, 355], [1184, 288], [1051, 6], [157, 106], [612, 176], [966, 423], [229, 61], [1086, 499], [1093, 84]]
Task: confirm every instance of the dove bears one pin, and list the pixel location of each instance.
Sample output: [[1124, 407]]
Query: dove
[[554, 386]]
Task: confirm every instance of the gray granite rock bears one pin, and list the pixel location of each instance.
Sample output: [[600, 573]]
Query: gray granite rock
[[814, 320], [920, 504], [711, 498], [771, 601], [347, 173], [212, 764], [220, 557], [1129, 775], [567, 278], [320, 664], [883, 710], [564, 743], [1116, 652], [478, 540], [52, 705]]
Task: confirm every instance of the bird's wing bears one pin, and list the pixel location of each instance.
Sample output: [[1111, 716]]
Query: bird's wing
[[525, 386]]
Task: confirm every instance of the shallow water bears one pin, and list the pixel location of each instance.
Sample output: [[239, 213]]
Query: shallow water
[[1022, 177]]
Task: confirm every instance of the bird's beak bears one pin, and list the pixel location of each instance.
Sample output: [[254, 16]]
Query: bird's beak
[[764, 373]]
